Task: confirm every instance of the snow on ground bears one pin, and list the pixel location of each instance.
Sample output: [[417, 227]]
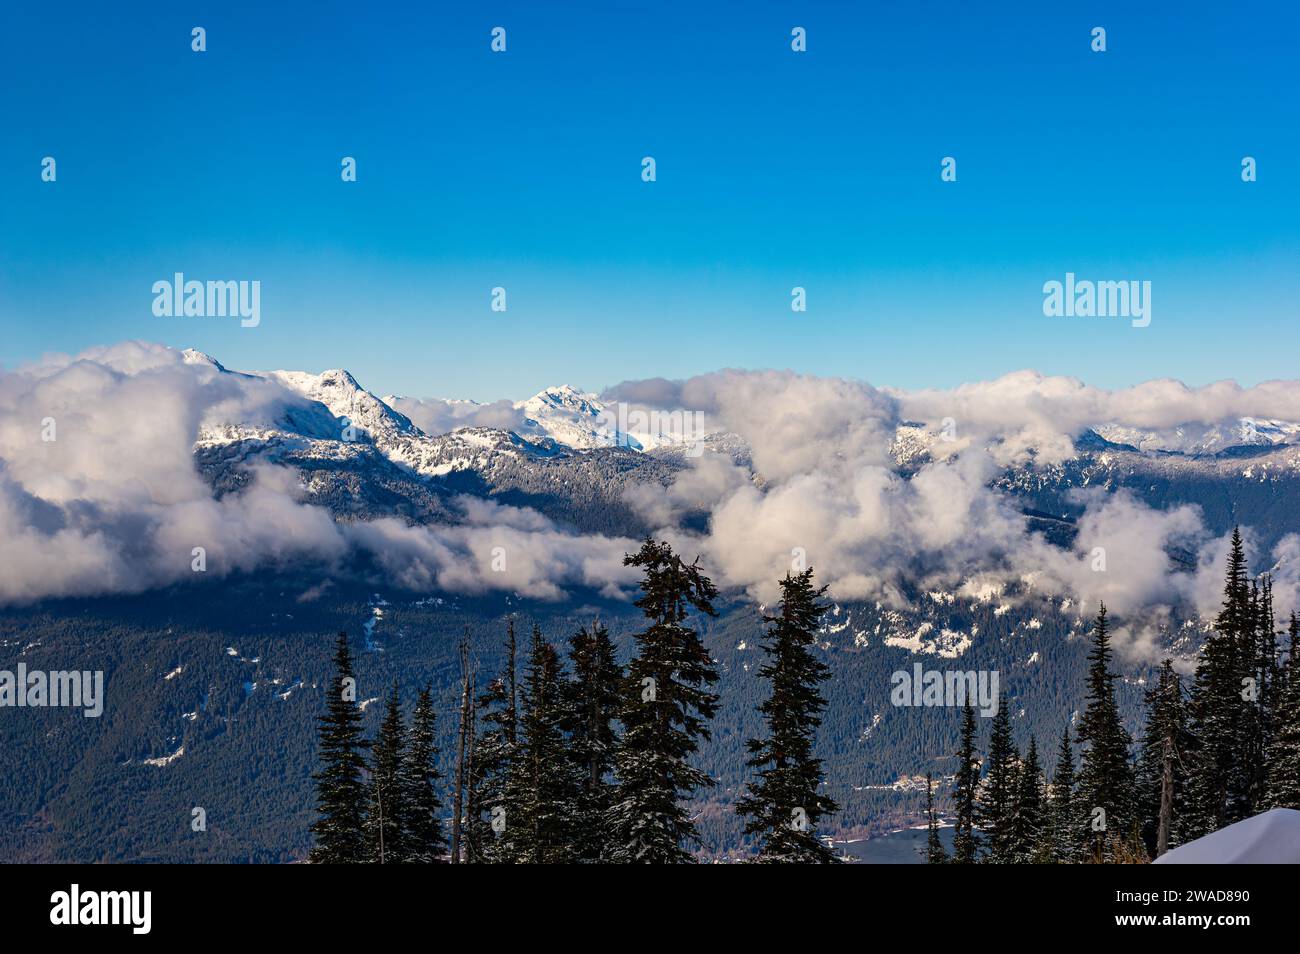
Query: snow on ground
[[166, 760]]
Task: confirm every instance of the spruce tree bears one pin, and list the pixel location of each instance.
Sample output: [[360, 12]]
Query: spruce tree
[[667, 704], [966, 780], [1161, 776], [387, 809], [1262, 697], [1219, 783], [542, 788], [995, 803], [340, 788], [592, 702], [495, 745], [425, 841], [1284, 749], [784, 806], [1063, 844], [1106, 792], [1028, 827], [934, 850]]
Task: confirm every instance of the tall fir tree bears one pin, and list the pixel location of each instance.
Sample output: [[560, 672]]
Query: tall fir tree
[[1027, 830], [1218, 781], [934, 850], [387, 810], [965, 782], [592, 703], [1161, 776], [495, 744], [668, 701], [995, 802], [1062, 808], [784, 806], [1284, 748], [340, 784], [425, 841], [1261, 694], [1106, 791], [542, 787]]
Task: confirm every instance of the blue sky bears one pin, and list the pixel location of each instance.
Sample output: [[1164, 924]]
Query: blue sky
[[775, 169]]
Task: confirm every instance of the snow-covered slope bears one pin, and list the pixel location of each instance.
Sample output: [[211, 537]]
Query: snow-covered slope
[[1272, 838], [347, 400], [574, 419], [1201, 439]]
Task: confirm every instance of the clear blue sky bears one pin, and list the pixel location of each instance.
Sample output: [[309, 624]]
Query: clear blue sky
[[775, 169]]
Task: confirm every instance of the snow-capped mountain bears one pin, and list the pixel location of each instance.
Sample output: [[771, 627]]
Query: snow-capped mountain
[[354, 406], [1198, 439], [565, 455], [577, 420]]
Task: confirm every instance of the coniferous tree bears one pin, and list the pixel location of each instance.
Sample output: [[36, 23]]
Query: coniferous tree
[[1161, 775], [592, 702], [495, 744], [934, 850], [1029, 822], [966, 780], [1218, 782], [1261, 696], [490, 761], [340, 787], [1063, 844], [1284, 749], [784, 806], [387, 809], [995, 804], [1106, 791], [542, 788], [425, 842], [463, 754], [667, 702]]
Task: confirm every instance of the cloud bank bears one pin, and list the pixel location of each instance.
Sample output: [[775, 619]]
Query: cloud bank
[[114, 504]]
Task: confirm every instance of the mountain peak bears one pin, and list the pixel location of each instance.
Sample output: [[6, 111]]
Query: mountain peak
[[194, 356], [339, 391]]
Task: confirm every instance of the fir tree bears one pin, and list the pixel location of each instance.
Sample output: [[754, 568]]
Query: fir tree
[[1219, 783], [1030, 809], [785, 805], [542, 787], [1160, 774], [995, 804], [495, 745], [667, 702], [1261, 697], [340, 788], [592, 703], [425, 842], [1106, 793], [387, 809], [1065, 836], [966, 780], [1284, 749], [934, 850]]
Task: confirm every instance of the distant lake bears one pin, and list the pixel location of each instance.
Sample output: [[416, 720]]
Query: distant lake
[[896, 848]]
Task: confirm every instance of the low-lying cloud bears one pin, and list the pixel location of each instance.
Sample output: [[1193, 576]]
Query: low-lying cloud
[[114, 502]]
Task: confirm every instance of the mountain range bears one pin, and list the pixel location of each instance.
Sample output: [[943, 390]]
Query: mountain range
[[214, 682]]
